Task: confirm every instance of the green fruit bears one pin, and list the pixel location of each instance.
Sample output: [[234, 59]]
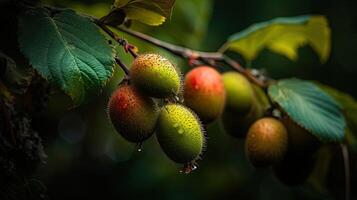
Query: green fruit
[[155, 76], [267, 142], [204, 93], [300, 140], [239, 92], [133, 114], [180, 133], [236, 124], [294, 169]]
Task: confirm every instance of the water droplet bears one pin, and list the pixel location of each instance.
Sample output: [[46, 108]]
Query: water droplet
[[193, 167], [181, 131], [139, 147], [175, 125], [124, 106]]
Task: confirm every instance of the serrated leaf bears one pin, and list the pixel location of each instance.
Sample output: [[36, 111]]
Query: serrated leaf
[[68, 50], [349, 107], [310, 107], [283, 36], [151, 12]]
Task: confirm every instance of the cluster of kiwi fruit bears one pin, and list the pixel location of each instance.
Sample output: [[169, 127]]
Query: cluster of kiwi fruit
[[270, 140], [150, 103]]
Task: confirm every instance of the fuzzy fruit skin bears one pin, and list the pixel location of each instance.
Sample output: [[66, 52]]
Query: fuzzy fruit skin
[[133, 114], [180, 133], [301, 142], [204, 93], [239, 92], [155, 76], [267, 142]]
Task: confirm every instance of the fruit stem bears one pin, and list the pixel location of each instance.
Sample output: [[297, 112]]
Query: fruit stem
[[346, 161], [122, 66], [121, 41]]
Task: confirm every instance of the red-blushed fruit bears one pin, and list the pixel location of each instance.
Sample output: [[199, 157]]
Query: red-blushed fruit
[[133, 114], [266, 142], [204, 93]]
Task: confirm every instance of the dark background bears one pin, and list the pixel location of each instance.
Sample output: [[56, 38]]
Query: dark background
[[88, 159]]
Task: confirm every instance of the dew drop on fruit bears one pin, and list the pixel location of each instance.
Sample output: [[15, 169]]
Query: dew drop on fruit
[[139, 147], [175, 125], [180, 131]]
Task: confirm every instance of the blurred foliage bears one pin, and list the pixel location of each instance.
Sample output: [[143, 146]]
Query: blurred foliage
[[349, 107], [151, 12], [88, 159], [284, 36]]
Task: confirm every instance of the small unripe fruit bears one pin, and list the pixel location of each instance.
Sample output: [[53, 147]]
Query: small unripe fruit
[[294, 169], [180, 133], [237, 124], [301, 142], [267, 142], [133, 114], [239, 92], [155, 76], [204, 93]]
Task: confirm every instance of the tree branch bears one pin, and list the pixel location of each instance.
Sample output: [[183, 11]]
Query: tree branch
[[206, 57], [122, 66], [209, 58]]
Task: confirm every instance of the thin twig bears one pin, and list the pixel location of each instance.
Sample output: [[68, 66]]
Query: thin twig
[[113, 35], [177, 50], [206, 57], [346, 161], [122, 66], [235, 65], [127, 47]]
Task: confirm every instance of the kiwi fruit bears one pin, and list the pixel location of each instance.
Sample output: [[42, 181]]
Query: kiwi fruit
[[133, 114], [239, 93], [301, 141], [180, 133], [294, 169], [266, 142], [204, 93], [237, 124], [155, 76]]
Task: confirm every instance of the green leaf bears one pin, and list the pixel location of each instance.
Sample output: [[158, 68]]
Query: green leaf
[[151, 12], [68, 50], [310, 107], [349, 107], [283, 36]]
